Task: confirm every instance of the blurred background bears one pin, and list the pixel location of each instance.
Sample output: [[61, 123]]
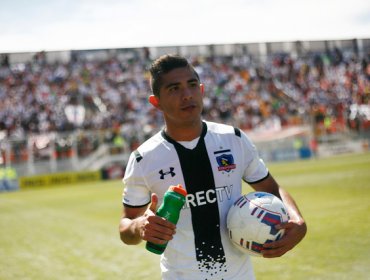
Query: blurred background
[[74, 81]]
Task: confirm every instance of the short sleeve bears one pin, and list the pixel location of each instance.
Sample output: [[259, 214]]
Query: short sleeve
[[136, 192], [255, 168]]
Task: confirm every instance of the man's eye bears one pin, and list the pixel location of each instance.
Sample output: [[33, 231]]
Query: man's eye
[[174, 88]]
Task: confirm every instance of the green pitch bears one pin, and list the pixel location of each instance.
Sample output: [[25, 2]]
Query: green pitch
[[71, 232]]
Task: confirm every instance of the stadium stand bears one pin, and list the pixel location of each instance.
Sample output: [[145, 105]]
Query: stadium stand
[[69, 108]]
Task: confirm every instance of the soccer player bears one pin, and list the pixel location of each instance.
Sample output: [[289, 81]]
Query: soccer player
[[209, 160]]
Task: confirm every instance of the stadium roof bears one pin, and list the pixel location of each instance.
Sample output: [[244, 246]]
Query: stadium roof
[[93, 24]]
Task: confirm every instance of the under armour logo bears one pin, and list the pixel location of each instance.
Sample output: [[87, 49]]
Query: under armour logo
[[166, 173]]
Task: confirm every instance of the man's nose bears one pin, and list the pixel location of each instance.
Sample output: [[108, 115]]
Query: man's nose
[[187, 93]]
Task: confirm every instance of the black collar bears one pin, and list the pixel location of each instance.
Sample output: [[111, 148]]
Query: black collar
[[169, 139]]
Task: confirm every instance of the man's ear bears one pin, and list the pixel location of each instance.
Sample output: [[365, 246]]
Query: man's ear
[[202, 89], [154, 101]]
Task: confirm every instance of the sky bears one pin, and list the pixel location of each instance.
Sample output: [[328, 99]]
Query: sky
[[49, 25]]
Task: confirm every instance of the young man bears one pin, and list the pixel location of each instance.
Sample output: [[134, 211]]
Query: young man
[[187, 152]]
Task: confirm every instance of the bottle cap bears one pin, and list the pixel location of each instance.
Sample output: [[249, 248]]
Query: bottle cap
[[179, 189]]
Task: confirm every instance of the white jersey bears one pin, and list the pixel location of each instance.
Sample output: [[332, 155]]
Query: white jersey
[[211, 169]]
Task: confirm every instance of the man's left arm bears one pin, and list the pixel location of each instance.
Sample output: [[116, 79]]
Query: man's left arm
[[295, 228]]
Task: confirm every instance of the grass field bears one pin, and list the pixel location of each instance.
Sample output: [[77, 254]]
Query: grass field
[[71, 232]]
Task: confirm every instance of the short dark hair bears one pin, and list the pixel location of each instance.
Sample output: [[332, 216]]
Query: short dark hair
[[163, 65]]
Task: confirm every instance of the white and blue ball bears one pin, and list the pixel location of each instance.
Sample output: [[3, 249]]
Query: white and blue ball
[[251, 221]]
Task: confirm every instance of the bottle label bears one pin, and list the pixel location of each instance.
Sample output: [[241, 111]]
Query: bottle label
[[167, 215]]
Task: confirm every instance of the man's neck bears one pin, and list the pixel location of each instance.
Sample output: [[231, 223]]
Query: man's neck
[[184, 133]]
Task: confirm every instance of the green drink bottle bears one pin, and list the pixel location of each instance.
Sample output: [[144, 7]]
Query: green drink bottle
[[173, 201]]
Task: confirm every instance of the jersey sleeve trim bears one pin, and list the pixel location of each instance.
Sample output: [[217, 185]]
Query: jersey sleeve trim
[[135, 206], [138, 156], [237, 132], [260, 180]]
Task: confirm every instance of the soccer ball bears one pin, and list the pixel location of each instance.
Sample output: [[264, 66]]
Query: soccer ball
[[251, 221]]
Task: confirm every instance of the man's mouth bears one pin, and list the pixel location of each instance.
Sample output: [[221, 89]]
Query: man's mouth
[[188, 107]]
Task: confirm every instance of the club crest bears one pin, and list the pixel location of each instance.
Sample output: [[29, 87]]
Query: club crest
[[225, 162]]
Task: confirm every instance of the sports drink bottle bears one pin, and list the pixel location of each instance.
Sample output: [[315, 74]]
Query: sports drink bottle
[[173, 201]]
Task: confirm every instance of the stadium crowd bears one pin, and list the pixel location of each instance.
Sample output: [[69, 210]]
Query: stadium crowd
[[325, 89]]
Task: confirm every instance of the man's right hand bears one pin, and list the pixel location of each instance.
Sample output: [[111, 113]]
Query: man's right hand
[[153, 228]]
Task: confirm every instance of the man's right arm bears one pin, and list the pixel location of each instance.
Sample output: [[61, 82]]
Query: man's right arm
[[141, 223], [129, 226]]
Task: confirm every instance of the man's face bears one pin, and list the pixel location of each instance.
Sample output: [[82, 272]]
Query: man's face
[[181, 97]]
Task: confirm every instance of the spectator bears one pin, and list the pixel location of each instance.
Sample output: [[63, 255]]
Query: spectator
[[283, 91]]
